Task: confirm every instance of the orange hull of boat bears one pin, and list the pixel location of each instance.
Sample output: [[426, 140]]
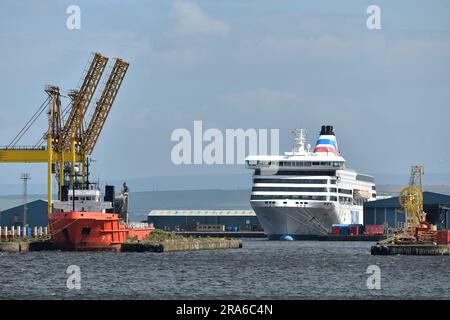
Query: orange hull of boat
[[91, 231]]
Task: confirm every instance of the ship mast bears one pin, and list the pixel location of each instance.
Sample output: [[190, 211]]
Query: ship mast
[[299, 141]]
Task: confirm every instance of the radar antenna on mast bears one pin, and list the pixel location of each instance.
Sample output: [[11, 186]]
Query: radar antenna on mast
[[299, 141]]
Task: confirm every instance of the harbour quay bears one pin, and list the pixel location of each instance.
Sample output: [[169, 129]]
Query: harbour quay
[[206, 221], [412, 250]]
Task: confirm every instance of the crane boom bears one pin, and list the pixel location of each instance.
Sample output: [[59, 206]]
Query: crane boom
[[103, 106], [65, 139], [82, 100]]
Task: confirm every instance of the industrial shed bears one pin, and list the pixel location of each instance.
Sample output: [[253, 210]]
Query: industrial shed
[[389, 211], [189, 219], [36, 215]]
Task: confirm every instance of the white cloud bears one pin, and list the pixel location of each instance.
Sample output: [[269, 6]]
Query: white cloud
[[189, 19]]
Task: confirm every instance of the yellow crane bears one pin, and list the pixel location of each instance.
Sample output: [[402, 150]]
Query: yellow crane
[[90, 136], [411, 200], [68, 142], [75, 137], [70, 133], [416, 228]]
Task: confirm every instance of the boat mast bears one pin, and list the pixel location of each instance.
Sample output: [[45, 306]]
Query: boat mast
[[299, 141]]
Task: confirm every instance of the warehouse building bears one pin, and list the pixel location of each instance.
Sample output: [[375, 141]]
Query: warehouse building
[[388, 211], [204, 220], [36, 215]]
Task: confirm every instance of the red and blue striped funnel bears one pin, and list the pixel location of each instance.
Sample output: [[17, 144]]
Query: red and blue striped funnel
[[327, 141]]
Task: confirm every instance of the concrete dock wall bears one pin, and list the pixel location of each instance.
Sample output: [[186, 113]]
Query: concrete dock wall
[[416, 250], [188, 245], [14, 246]]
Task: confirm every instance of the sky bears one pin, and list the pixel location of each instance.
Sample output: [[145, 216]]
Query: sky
[[237, 64]]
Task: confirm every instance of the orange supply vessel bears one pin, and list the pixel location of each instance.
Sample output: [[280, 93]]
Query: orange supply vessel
[[82, 224]]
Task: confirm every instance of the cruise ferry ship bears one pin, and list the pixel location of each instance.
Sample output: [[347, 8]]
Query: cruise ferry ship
[[302, 193]]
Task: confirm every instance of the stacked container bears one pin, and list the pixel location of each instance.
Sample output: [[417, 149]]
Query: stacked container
[[375, 229], [443, 236], [354, 229], [335, 230], [344, 231]]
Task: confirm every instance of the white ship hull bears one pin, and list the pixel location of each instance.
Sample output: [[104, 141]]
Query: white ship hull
[[303, 222]]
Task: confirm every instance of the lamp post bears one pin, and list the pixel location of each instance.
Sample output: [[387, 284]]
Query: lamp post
[[25, 177]]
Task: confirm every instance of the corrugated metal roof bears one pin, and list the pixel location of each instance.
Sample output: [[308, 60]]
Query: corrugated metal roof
[[428, 198], [11, 203], [224, 213], [6, 204]]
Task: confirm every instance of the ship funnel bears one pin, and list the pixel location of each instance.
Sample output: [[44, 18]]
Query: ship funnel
[[327, 141]]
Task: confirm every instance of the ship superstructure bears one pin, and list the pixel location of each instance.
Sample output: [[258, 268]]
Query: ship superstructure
[[83, 200], [303, 192]]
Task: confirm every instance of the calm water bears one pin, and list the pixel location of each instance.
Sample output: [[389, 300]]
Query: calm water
[[261, 270]]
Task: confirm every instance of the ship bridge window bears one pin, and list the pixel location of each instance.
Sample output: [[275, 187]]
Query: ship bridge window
[[298, 173], [332, 181], [299, 181], [316, 163], [345, 191], [287, 197], [292, 189]]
